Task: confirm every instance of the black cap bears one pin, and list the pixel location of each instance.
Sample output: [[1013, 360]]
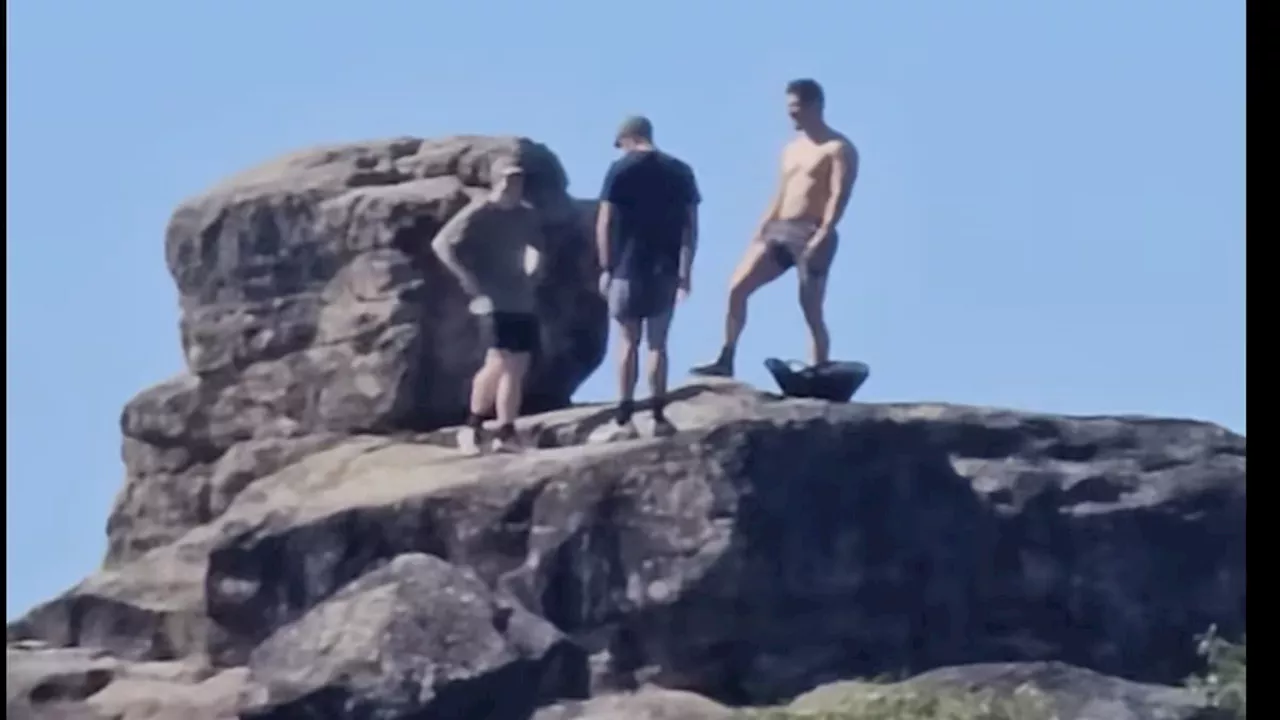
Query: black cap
[[636, 126]]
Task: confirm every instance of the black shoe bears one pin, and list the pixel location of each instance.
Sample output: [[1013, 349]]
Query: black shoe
[[720, 368], [662, 427]]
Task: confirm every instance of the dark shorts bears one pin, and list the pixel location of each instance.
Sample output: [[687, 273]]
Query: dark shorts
[[786, 240], [512, 332], [641, 298]]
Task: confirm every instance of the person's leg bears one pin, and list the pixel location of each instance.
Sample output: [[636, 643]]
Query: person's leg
[[484, 389], [813, 293], [623, 302], [516, 337], [515, 367], [484, 386], [657, 328], [812, 296], [762, 264], [628, 367]]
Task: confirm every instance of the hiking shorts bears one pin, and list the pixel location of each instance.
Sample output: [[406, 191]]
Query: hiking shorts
[[511, 331], [641, 298]]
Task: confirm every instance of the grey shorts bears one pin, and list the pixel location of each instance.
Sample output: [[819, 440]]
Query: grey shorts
[[786, 240], [642, 298]]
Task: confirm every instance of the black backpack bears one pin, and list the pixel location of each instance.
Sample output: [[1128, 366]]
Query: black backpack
[[831, 381]]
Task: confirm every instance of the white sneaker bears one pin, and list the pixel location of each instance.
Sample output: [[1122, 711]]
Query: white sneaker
[[469, 440]]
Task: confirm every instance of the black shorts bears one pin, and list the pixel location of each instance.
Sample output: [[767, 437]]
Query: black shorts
[[512, 332]]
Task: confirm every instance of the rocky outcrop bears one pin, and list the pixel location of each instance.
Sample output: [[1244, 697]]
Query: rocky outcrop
[[312, 309], [770, 547], [298, 536]]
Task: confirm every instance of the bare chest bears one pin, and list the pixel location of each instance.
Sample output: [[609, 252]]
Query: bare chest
[[809, 164]]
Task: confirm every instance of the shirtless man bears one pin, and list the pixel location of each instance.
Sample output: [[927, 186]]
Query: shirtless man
[[799, 229], [492, 248]]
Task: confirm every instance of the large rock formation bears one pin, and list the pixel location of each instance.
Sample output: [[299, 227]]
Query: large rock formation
[[312, 308], [772, 546], [298, 539]]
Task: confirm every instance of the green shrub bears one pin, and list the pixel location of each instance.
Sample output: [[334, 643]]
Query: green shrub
[[1224, 681], [1222, 684], [869, 701]]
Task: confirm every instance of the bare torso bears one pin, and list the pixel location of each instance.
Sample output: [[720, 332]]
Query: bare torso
[[806, 176]]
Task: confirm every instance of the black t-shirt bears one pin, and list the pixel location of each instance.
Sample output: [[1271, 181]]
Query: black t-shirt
[[651, 192]]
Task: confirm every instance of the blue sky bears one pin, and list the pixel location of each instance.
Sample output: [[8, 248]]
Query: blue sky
[[1050, 213]]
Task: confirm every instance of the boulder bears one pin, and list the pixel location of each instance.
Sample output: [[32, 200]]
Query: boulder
[[772, 546], [416, 638], [312, 309], [46, 683]]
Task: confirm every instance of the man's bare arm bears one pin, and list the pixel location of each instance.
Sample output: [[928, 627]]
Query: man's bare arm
[[775, 203], [689, 242], [445, 247], [604, 219], [689, 233], [844, 171]]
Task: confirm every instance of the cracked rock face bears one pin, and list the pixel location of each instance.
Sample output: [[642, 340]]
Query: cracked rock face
[[770, 547], [313, 309]]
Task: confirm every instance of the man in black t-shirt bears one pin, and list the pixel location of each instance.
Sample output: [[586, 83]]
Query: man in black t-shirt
[[646, 236]]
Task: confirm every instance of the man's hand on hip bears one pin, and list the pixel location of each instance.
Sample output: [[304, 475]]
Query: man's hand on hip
[[604, 282]]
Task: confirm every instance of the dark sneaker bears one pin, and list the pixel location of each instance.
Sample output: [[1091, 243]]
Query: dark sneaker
[[720, 368], [507, 445], [625, 431], [662, 427]]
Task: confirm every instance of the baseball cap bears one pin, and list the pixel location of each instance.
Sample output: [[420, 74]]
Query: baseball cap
[[635, 126]]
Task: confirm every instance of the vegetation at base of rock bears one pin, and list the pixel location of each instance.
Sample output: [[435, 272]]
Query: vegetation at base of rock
[[1223, 683], [869, 701]]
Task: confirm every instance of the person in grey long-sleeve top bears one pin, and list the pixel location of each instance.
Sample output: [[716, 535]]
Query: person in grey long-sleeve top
[[493, 248]]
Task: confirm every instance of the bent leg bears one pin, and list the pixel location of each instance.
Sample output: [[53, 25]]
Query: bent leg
[[484, 391], [514, 367], [516, 337], [758, 267], [484, 386]]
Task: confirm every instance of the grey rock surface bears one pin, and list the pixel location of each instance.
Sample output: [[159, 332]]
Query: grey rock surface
[[312, 308], [770, 547]]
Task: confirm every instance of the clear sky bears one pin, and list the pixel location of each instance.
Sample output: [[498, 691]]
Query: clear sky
[[1050, 213]]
